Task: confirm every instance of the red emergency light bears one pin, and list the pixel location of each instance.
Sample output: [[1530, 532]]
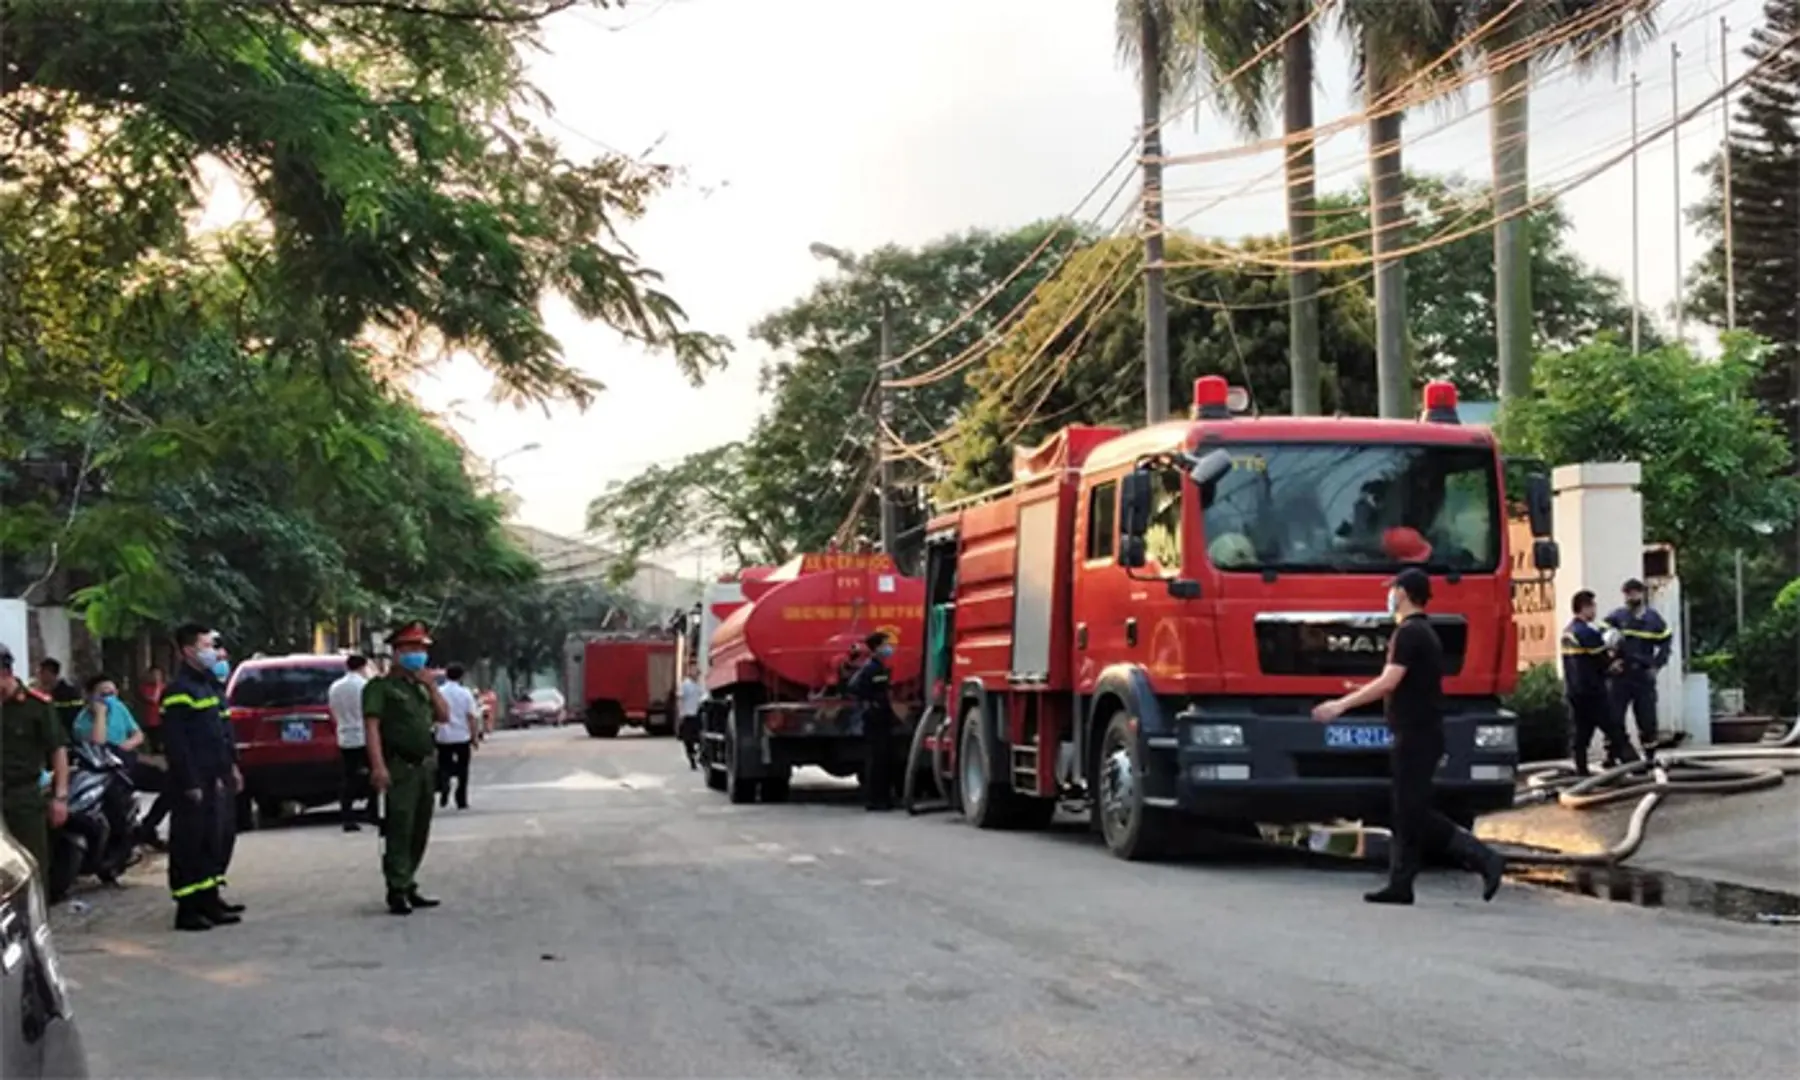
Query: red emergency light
[[1212, 396], [1440, 402]]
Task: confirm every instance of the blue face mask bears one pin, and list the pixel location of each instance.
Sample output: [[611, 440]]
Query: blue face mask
[[885, 651], [412, 661], [221, 668]]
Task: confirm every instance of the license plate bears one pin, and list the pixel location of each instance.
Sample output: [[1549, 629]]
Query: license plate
[[297, 731], [1358, 737]]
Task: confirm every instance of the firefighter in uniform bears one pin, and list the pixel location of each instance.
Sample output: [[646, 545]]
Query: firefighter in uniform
[[869, 687], [1643, 651], [228, 818], [200, 779], [1585, 658], [31, 740], [401, 710]]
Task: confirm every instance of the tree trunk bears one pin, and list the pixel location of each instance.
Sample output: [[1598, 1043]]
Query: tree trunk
[[1509, 89], [1386, 191], [1303, 285], [1156, 311]]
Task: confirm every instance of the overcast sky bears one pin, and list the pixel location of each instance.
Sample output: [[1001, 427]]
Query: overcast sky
[[864, 122]]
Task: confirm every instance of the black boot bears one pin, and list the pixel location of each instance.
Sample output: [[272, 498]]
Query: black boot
[[419, 900], [189, 917], [1392, 893], [228, 906], [398, 903], [1481, 859], [215, 909]]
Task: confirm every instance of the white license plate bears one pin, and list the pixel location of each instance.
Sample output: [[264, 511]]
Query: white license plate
[[297, 731], [1358, 737]]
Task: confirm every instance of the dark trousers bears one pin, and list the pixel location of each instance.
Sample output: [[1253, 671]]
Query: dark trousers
[[1636, 692], [1419, 828], [1592, 711], [195, 839], [689, 730], [406, 826], [878, 761], [453, 764], [228, 829], [354, 784]]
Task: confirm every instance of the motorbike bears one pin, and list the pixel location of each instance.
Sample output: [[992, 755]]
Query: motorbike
[[99, 837]]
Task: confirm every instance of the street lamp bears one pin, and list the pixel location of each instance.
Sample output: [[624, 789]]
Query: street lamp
[[885, 482]]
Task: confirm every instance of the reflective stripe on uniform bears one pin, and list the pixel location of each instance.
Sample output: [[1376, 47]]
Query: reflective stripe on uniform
[[190, 702], [1648, 635], [198, 886]]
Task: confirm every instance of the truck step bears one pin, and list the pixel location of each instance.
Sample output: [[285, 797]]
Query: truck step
[[1025, 767]]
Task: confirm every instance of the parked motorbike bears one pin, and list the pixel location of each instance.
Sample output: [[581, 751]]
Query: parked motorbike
[[98, 839]]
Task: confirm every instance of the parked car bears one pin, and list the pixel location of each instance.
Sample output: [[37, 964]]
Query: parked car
[[541, 706], [38, 1036], [287, 744]]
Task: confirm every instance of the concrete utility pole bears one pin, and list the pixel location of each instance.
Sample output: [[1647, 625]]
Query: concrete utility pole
[[884, 468], [1675, 152], [1303, 285], [1637, 317], [1725, 185], [1156, 310]]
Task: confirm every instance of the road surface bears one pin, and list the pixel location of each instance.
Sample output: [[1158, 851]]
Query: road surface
[[606, 915]]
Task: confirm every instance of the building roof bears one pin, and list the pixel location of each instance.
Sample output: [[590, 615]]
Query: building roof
[[568, 560]]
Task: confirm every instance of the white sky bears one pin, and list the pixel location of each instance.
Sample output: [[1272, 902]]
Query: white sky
[[863, 122]]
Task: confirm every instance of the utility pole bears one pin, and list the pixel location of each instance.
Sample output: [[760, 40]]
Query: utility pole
[[884, 468], [1675, 153], [1725, 205], [1637, 317], [1156, 310]]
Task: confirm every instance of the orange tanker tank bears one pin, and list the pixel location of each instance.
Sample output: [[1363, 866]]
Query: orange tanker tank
[[800, 621]]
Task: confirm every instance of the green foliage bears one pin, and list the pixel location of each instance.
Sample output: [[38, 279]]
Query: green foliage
[[806, 467], [1769, 657], [522, 628], [1543, 712]]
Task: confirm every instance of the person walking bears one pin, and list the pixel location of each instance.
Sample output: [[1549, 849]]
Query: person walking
[[400, 711], [199, 774], [1643, 652], [1411, 684], [345, 701], [1585, 658], [31, 740], [456, 738], [869, 687], [692, 697]]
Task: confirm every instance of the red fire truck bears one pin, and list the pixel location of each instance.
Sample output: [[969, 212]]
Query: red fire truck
[[1143, 620], [621, 678], [778, 646]]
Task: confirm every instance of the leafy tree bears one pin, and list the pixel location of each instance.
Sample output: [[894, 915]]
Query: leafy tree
[[523, 629], [1717, 469], [1452, 323], [1765, 215], [808, 463]]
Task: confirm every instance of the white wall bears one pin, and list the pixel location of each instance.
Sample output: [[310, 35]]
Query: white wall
[[15, 634]]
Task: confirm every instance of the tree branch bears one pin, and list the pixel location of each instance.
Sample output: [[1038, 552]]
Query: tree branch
[[401, 7]]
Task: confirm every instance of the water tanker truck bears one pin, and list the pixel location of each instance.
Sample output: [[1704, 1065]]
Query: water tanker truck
[[1143, 620], [778, 647]]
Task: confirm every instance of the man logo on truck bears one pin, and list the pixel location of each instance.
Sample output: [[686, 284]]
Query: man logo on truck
[[1354, 643]]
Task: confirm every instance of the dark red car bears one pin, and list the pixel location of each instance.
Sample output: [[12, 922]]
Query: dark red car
[[287, 743]]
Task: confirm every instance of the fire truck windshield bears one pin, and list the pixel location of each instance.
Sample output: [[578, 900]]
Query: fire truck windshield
[[1354, 508]]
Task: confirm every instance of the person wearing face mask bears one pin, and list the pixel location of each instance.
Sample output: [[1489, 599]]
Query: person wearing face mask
[[31, 740], [869, 687], [401, 712], [1643, 652], [200, 777], [1411, 684]]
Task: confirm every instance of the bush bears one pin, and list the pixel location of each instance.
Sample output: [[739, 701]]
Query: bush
[[1767, 656], [1543, 714]]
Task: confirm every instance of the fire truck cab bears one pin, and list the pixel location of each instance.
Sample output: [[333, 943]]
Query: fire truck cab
[[1144, 620]]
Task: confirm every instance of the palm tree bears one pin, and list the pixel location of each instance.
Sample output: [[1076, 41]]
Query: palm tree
[[1596, 36], [1223, 36], [1395, 43]]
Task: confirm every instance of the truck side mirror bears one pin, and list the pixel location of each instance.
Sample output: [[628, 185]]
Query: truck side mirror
[[1545, 555], [1132, 552], [1134, 505], [1538, 504]]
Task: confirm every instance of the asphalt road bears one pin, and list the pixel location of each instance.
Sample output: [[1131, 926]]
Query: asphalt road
[[606, 915]]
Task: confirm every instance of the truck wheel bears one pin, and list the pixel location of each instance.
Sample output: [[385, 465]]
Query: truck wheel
[[989, 803], [715, 777], [777, 788], [604, 719], [1133, 831], [741, 788]]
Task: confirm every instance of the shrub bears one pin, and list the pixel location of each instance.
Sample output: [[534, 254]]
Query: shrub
[[1769, 657], [1543, 714]]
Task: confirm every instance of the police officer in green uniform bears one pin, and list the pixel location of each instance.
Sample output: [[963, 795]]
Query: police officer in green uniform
[[31, 739], [400, 712]]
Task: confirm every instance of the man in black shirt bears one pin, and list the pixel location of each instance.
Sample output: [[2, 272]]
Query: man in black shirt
[[869, 687], [1412, 684], [1585, 659]]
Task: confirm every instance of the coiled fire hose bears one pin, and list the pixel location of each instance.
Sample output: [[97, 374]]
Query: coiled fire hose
[[1702, 771]]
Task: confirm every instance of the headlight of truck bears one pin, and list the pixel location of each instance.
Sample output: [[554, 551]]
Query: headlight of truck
[[1216, 735], [1496, 737]]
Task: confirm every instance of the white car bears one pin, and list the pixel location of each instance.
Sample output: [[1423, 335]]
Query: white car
[[542, 706]]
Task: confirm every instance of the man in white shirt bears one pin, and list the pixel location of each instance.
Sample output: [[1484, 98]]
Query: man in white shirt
[[692, 695], [455, 738], [345, 700]]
